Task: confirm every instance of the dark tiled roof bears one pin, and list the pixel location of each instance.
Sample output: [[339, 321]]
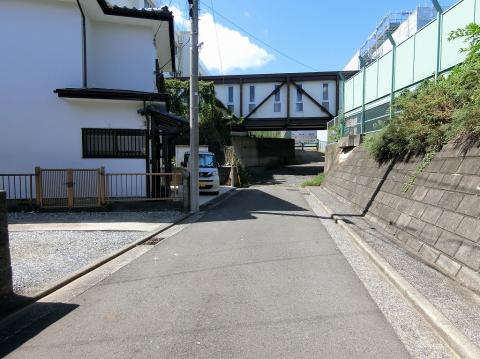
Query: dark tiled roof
[[166, 118], [111, 94], [153, 14]]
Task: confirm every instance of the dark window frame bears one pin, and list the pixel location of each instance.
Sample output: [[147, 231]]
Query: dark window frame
[[300, 93], [104, 143], [277, 97], [325, 92], [252, 94], [231, 95]]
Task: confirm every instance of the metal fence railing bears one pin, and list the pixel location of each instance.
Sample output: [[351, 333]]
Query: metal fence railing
[[79, 188], [18, 187], [333, 130], [317, 145], [122, 187], [362, 122]]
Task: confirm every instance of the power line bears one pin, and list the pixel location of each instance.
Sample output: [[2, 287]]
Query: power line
[[260, 40], [161, 22], [218, 41]]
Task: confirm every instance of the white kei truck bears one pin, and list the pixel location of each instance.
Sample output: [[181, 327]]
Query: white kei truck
[[208, 179]]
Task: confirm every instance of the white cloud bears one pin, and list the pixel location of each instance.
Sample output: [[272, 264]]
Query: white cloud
[[237, 51], [180, 20]]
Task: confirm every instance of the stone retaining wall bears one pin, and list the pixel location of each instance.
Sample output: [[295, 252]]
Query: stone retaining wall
[[438, 218]]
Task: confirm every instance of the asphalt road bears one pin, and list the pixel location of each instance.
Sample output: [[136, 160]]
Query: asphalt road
[[257, 277]]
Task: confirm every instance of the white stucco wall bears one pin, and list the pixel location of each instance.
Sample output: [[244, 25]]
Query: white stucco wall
[[314, 89], [40, 52], [222, 94], [121, 57], [262, 90]]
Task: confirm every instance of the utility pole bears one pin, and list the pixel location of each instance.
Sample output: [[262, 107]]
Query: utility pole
[[194, 103]]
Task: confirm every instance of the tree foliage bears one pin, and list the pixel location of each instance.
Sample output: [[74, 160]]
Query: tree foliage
[[436, 112], [214, 119]]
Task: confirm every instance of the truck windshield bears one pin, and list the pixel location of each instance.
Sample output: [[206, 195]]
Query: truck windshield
[[205, 160]]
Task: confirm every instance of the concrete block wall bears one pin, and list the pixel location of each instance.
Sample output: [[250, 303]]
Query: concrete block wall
[[437, 219], [264, 152]]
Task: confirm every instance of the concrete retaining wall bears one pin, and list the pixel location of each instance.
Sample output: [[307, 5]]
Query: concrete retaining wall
[[264, 152], [438, 218], [331, 156]]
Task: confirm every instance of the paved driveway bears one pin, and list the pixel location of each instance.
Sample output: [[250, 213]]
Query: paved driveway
[[256, 277]]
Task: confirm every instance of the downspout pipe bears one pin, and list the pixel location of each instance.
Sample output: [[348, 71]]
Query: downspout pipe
[[394, 61], [439, 9], [84, 46]]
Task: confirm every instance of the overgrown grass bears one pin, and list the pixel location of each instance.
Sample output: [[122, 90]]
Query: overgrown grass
[[315, 181], [436, 112]]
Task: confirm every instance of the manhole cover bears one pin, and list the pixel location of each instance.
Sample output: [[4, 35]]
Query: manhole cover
[[152, 241]]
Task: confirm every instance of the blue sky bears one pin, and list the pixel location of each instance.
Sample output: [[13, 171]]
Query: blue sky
[[323, 34]]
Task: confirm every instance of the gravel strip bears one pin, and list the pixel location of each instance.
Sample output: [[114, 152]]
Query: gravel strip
[[40, 258], [458, 304], [416, 334], [89, 217]]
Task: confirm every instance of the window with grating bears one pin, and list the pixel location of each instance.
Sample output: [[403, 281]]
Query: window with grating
[[113, 143]]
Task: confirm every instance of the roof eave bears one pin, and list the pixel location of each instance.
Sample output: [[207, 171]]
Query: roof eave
[[111, 94]]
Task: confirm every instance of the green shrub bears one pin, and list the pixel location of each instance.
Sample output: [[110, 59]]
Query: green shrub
[[436, 112], [214, 119], [314, 182], [333, 134]]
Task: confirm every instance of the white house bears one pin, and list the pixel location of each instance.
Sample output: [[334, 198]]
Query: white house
[[74, 75], [282, 101], [182, 55]]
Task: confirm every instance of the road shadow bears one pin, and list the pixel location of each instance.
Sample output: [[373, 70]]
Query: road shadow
[[250, 202], [308, 157], [272, 176], [18, 327]]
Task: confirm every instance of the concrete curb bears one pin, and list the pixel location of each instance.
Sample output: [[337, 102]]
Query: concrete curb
[[458, 342], [219, 199], [99, 262]]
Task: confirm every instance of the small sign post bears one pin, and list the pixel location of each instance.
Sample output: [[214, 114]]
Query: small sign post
[[6, 285]]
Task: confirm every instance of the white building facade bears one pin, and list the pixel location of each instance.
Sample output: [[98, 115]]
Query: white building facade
[[285, 101], [182, 55], [73, 79]]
